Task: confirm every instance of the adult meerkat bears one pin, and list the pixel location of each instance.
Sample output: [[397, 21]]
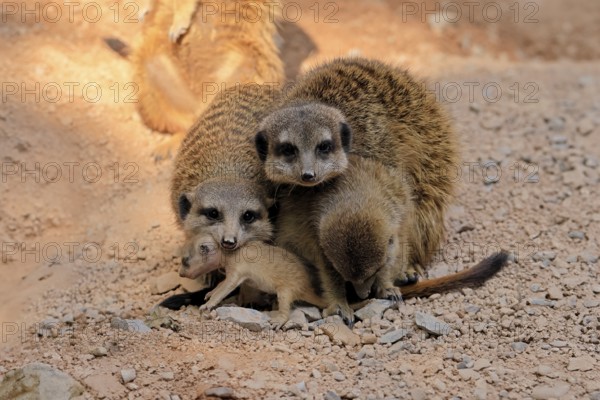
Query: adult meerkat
[[218, 185], [373, 110], [189, 50]]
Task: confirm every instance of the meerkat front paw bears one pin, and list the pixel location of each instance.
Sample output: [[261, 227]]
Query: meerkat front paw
[[343, 310], [279, 320], [390, 293]]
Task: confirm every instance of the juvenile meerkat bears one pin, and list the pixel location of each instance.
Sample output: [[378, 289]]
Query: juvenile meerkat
[[189, 50], [267, 268], [372, 110]]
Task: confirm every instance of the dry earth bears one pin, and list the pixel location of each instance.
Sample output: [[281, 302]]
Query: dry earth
[[96, 237]]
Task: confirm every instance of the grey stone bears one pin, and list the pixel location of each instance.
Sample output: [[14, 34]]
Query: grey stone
[[311, 313], [336, 329], [559, 343], [431, 324], [472, 309], [554, 293], [248, 318], [99, 351], [38, 381], [544, 255], [589, 257], [331, 395], [584, 363], [595, 395], [542, 302], [167, 376], [133, 325], [393, 336], [128, 375], [481, 363], [519, 347], [296, 320], [338, 376], [542, 392], [591, 303], [577, 235], [220, 392], [375, 308]]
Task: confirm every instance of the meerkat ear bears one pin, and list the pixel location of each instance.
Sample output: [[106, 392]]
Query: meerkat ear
[[346, 135], [185, 205], [262, 145]]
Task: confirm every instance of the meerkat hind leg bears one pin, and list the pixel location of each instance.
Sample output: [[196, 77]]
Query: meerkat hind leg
[[284, 305]]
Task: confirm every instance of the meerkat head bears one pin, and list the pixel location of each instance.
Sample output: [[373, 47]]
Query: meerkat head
[[200, 255], [233, 212], [304, 145]]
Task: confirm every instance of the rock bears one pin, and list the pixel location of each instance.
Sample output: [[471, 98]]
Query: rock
[[472, 309], [559, 389], [39, 381], [556, 124], [536, 287], [368, 338], [316, 374], [375, 308], [577, 235], [338, 376], [554, 293], [589, 257], [544, 370], [431, 324], [330, 367], [418, 394], [336, 329], [165, 283], [331, 395], [468, 374], [248, 318], [311, 313], [591, 303], [559, 343], [596, 289], [519, 347], [544, 255], [481, 363], [220, 392], [107, 385], [595, 395], [585, 126], [480, 393], [297, 320], [167, 376], [133, 325], [541, 302], [99, 351], [584, 363], [128, 375], [301, 386], [393, 336]]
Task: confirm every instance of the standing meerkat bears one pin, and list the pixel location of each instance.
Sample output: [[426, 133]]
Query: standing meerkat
[[367, 108], [189, 50]]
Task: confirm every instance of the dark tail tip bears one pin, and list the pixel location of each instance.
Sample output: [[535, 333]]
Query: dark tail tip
[[492, 265], [118, 46], [177, 301]]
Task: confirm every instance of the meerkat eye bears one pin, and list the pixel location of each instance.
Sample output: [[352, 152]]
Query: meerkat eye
[[211, 213], [325, 147], [286, 149], [391, 241], [249, 217]]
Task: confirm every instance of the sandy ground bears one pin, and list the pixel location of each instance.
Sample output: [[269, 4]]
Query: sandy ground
[[86, 227]]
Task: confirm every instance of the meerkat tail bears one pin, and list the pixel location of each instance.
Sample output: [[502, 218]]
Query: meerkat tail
[[472, 277], [118, 46]]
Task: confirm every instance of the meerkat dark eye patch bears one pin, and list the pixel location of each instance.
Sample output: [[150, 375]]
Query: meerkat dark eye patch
[[325, 147], [262, 145], [286, 149], [250, 216], [346, 136], [211, 213], [184, 206]]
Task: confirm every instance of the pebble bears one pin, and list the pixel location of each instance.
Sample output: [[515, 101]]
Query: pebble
[[519, 347], [39, 381], [311, 313], [133, 325], [393, 336], [544, 370], [589, 257], [554, 293], [584, 363], [336, 329], [544, 255], [220, 392], [542, 302], [468, 374], [249, 318], [472, 309], [596, 289], [431, 324], [296, 320], [331, 395], [591, 303], [595, 395], [338, 376], [542, 392], [128, 375], [167, 376], [481, 363], [556, 124], [316, 374], [368, 338], [375, 308], [418, 394], [559, 343], [99, 351], [577, 235], [536, 287], [585, 126], [165, 283]]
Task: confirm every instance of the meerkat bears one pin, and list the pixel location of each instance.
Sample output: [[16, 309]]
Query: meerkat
[[190, 50], [367, 108], [267, 268], [218, 185]]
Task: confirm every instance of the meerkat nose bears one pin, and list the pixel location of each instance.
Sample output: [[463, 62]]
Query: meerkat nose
[[229, 243], [185, 261], [308, 177]]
